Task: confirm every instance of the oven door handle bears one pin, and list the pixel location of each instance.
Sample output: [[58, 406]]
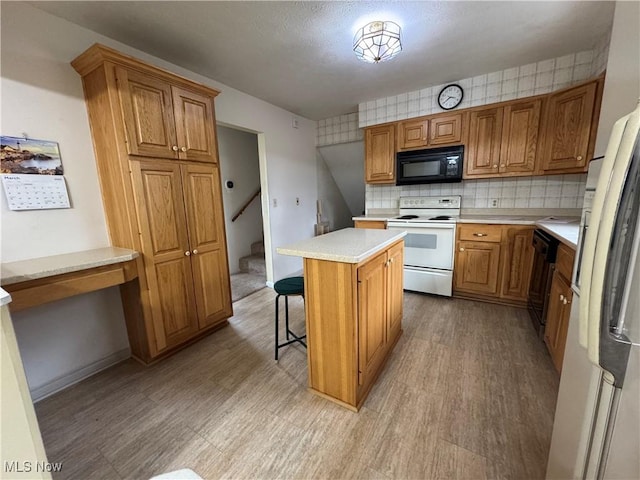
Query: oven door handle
[[423, 228]]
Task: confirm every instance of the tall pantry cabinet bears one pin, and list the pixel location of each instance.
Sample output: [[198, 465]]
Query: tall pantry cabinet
[[156, 150]]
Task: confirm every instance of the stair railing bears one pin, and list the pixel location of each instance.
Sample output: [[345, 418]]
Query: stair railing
[[244, 207]]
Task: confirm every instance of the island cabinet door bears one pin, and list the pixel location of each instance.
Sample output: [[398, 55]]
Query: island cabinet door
[[395, 289], [205, 226], [372, 317]]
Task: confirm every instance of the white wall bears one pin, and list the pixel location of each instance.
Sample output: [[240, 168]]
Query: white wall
[[334, 208], [42, 96], [346, 163], [622, 84], [238, 152]]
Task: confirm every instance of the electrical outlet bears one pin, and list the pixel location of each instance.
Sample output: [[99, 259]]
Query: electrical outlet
[[493, 202], [297, 201], [275, 202]]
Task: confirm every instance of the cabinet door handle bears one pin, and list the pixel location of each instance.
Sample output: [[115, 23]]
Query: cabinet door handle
[[579, 157], [479, 234], [495, 165], [561, 297], [187, 253], [565, 301], [462, 249], [174, 148], [183, 149], [195, 252], [502, 166]]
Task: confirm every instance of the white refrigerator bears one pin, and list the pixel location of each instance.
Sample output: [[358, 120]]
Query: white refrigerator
[[596, 431]]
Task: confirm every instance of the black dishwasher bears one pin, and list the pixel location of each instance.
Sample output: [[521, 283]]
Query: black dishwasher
[[545, 250]]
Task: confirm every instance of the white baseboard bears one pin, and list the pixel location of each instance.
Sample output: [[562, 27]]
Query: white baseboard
[[270, 284], [76, 376]]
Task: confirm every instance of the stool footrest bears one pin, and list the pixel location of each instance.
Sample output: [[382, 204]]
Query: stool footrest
[[295, 339]]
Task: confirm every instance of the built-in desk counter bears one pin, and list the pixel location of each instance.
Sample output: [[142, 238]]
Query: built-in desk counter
[[41, 280], [353, 295]]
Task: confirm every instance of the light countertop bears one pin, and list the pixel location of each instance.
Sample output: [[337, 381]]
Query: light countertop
[[567, 233], [564, 225], [349, 245], [34, 268]]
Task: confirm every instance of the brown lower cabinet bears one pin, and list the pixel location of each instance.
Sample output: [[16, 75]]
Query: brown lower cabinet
[[354, 318], [493, 262], [559, 309], [377, 224]]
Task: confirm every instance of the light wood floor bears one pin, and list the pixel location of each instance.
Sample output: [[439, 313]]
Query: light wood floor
[[469, 392]]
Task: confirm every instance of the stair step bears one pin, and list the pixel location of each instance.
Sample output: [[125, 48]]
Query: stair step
[[253, 263], [257, 247]]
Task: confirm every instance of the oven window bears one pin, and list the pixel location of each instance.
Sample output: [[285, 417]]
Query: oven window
[[421, 240], [421, 169]]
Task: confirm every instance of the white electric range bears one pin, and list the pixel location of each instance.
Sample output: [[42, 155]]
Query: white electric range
[[430, 223]]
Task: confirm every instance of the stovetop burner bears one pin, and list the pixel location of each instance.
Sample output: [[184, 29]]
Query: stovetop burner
[[407, 217], [441, 217]]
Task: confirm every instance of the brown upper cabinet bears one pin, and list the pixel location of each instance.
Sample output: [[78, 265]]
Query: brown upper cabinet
[[446, 129], [413, 134], [569, 129], [435, 130], [482, 156], [164, 120], [542, 135], [380, 154], [503, 140]]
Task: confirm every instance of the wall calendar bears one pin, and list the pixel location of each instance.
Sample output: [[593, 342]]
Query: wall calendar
[[35, 192]]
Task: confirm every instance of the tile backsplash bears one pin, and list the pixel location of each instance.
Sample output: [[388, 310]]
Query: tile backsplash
[[517, 82], [556, 191], [340, 129]]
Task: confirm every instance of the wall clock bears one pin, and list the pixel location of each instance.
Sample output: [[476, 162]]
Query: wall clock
[[450, 96]]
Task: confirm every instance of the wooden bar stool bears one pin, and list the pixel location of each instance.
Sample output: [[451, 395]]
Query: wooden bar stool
[[288, 287]]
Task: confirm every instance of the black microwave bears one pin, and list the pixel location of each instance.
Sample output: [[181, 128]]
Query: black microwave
[[432, 165]]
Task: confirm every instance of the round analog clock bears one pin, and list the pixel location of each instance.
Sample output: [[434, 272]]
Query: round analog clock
[[450, 96]]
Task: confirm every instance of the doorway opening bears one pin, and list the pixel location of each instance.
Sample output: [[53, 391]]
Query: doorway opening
[[242, 192]]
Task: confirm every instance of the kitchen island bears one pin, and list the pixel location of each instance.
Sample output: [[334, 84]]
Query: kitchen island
[[353, 308]]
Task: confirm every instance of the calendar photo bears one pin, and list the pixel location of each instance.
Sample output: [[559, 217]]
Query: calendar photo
[[29, 156]]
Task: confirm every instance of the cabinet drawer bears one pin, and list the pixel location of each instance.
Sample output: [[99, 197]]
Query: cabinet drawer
[[564, 261], [378, 224], [480, 232]]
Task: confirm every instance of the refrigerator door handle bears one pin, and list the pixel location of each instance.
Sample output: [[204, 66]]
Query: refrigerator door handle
[[592, 240]]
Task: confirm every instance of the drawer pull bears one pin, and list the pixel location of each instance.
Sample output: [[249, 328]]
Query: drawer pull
[[479, 234]]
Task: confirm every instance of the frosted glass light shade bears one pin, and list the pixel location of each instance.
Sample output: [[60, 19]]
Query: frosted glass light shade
[[377, 42]]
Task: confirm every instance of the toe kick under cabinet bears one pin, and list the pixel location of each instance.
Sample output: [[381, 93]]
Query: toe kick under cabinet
[[155, 145]]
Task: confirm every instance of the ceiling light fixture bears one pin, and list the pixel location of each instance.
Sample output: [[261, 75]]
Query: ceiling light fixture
[[377, 42]]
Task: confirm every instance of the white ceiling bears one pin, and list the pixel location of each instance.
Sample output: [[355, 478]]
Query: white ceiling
[[298, 55]]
